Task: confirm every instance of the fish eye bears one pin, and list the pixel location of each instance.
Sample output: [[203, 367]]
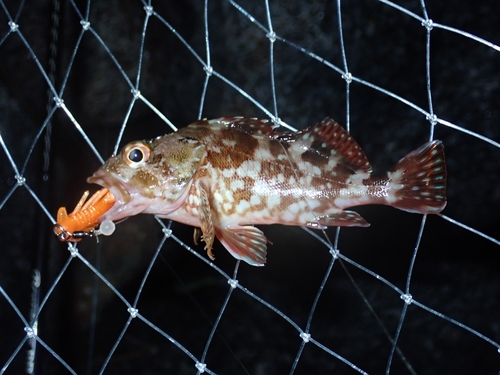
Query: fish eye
[[135, 154]]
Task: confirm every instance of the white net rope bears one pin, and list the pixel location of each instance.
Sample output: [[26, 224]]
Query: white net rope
[[410, 294]]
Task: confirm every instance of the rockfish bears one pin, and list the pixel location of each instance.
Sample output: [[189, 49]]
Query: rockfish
[[228, 174]]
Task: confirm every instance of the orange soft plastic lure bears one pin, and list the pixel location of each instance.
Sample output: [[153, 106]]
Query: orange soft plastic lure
[[85, 217]]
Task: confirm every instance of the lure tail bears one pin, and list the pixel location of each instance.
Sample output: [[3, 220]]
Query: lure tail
[[418, 181], [85, 216]]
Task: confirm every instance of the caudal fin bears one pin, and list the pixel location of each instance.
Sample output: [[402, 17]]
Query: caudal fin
[[418, 181]]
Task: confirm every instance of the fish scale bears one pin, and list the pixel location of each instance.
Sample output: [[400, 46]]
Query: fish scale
[[226, 175]]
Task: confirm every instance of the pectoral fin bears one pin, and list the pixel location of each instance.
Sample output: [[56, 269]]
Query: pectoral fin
[[196, 235], [246, 243], [206, 219], [340, 219]]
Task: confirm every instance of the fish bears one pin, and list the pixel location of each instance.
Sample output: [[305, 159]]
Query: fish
[[224, 176]]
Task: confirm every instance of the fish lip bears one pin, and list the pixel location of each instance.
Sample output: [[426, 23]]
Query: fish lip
[[119, 190], [108, 181]]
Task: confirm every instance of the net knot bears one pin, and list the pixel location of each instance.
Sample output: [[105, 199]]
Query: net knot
[[432, 119], [149, 10], [133, 312], [335, 253], [59, 102], [85, 24], [233, 283], [407, 298], [428, 24], [167, 232], [20, 180], [276, 121], [305, 336], [30, 332], [201, 367], [209, 70], [73, 250], [271, 36], [13, 26], [347, 77], [136, 93]]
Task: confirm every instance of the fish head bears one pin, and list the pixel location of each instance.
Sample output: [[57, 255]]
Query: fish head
[[150, 176]]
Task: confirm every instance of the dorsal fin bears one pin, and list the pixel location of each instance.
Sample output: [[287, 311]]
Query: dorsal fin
[[252, 125], [329, 139], [248, 125]]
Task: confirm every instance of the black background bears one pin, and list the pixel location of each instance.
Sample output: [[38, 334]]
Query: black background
[[456, 271]]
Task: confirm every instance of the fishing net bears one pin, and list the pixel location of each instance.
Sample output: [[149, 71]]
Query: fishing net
[[408, 295]]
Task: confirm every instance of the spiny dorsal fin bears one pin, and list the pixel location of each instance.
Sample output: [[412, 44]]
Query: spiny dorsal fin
[[329, 139], [253, 126]]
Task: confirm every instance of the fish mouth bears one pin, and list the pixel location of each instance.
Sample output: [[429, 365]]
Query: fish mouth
[[126, 203]]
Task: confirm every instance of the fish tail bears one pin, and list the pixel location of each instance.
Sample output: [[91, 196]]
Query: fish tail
[[418, 181]]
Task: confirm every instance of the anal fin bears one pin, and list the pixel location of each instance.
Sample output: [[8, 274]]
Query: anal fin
[[246, 243], [339, 219]]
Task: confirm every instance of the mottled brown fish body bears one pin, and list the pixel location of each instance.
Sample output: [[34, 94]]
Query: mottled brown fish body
[[228, 174]]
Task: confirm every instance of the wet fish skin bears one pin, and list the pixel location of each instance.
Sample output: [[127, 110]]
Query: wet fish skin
[[228, 174]]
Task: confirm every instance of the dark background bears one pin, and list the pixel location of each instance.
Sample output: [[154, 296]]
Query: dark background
[[456, 271]]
